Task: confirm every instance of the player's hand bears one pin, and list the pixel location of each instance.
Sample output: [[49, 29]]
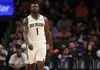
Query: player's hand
[[30, 46], [49, 49]]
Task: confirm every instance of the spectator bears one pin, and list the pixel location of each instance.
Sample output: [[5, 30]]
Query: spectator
[[66, 8], [24, 9], [11, 51], [92, 47], [13, 42], [81, 47], [53, 28], [81, 11], [65, 54], [80, 31], [20, 39], [97, 10], [64, 24], [18, 61], [3, 55], [74, 52], [18, 29]]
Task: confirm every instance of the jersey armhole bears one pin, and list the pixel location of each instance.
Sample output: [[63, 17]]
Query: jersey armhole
[[45, 20], [25, 20]]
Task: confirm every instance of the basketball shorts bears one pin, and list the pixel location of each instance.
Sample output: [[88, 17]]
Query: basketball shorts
[[37, 54]]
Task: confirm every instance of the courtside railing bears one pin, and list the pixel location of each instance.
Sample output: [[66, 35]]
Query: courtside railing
[[87, 63]]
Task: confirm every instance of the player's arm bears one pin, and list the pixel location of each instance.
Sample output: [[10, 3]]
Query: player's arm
[[25, 30], [48, 34], [25, 33]]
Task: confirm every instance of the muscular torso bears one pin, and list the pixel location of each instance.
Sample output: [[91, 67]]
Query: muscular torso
[[36, 32]]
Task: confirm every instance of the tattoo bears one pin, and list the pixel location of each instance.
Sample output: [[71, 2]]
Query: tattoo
[[25, 30], [25, 25]]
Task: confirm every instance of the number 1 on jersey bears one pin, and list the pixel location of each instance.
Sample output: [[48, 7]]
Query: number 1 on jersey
[[37, 30]]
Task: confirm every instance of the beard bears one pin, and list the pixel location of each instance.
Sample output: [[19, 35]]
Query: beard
[[35, 11]]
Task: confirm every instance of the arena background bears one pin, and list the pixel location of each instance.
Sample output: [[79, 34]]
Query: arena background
[[75, 27]]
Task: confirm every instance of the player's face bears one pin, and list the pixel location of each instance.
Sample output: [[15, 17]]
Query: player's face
[[34, 7], [18, 51]]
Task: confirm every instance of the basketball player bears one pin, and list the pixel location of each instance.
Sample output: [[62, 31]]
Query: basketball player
[[36, 34]]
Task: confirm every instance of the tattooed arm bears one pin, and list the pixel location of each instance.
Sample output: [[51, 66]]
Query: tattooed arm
[[25, 33]]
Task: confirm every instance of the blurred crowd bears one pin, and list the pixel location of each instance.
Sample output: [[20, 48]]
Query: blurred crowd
[[74, 26]]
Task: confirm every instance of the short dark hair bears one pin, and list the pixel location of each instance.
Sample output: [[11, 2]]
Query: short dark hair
[[18, 46], [35, 2]]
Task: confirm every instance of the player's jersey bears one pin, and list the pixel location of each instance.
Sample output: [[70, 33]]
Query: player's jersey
[[36, 33]]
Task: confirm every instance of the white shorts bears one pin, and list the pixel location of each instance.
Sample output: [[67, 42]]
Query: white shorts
[[37, 54]]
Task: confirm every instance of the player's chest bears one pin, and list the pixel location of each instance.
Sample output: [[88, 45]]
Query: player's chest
[[36, 23]]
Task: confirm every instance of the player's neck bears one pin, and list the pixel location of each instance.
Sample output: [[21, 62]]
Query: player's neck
[[35, 15]]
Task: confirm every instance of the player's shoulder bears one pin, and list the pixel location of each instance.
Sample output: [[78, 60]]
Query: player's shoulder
[[43, 17], [46, 19], [14, 55], [25, 20], [27, 17]]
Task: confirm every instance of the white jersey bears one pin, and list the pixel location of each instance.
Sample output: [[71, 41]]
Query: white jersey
[[36, 33]]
